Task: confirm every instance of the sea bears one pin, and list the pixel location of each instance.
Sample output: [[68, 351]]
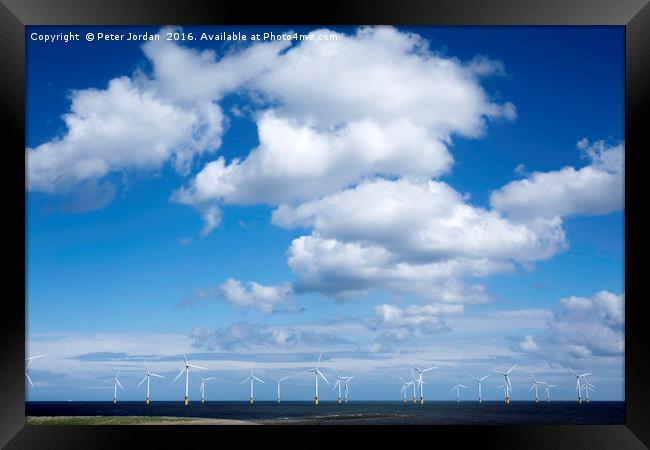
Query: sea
[[357, 412]]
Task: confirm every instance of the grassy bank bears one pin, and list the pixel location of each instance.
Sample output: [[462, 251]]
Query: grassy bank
[[130, 420]]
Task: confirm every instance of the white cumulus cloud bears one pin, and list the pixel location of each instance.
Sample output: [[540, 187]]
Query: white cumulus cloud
[[376, 102], [583, 327], [597, 188], [409, 237], [394, 324], [125, 126], [267, 299]]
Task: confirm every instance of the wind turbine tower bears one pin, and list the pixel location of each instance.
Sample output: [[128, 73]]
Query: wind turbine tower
[[278, 381], [147, 376], [252, 379], [405, 386], [202, 388], [479, 381], [186, 369], [534, 386], [342, 382], [317, 372], [578, 384], [587, 386], [507, 386], [420, 373], [457, 388], [548, 392], [116, 383]]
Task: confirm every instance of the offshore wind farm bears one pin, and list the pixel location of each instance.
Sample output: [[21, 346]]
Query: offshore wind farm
[[339, 410]]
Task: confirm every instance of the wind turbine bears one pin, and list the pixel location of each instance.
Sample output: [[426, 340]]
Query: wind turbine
[[252, 378], [414, 381], [507, 386], [421, 381], [147, 377], [202, 388], [587, 386], [342, 382], [278, 381], [317, 372], [548, 391], [457, 389], [186, 369], [405, 386], [346, 382], [534, 386], [116, 383], [479, 382], [28, 361], [578, 385]]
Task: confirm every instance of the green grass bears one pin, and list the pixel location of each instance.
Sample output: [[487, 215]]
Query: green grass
[[107, 420]]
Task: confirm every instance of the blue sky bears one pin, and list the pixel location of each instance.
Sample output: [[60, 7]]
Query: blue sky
[[501, 150]]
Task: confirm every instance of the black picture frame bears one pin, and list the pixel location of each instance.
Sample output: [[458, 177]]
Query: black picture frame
[[16, 14]]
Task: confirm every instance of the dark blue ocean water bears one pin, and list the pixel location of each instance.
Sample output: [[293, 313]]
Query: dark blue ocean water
[[488, 413]]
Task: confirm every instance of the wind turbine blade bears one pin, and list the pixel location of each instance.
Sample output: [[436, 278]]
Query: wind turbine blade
[[257, 379], [209, 378], [29, 379], [322, 376], [29, 360], [282, 379], [585, 374], [531, 388], [197, 367], [185, 359], [462, 385], [511, 369], [142, 381], [119, 384], [156, 375], [484, 377], [245, 380], [319, 358], [430, 368], [179, 374]]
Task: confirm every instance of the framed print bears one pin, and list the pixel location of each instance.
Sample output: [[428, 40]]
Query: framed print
[[402, 218]]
